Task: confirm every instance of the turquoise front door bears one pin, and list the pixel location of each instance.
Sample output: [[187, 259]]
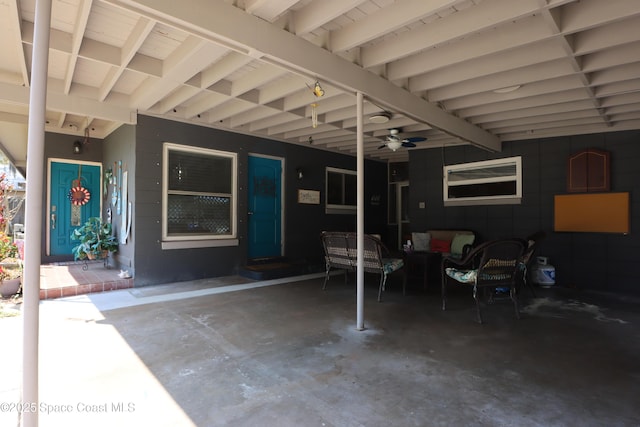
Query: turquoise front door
[[264, 207], [65, 215]]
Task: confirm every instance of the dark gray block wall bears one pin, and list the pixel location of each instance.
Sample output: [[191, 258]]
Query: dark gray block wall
[[303, 223], [585, 260]]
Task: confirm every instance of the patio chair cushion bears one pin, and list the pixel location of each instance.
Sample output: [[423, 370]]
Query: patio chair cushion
[[470, 276], [389, 265], [438, 245], [462, 276], [459, 242]]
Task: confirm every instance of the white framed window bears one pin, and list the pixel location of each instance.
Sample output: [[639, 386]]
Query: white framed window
[[199, 200], [341, 191], [490, 182]]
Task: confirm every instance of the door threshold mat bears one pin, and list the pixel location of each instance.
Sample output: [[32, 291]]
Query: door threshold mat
[[273, 270]]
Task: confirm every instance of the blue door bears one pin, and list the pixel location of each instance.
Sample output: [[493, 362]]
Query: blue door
[[65, 215], [264, 207]]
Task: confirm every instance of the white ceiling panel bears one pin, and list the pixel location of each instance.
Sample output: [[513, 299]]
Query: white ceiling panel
[[437, 67], [109, 25]]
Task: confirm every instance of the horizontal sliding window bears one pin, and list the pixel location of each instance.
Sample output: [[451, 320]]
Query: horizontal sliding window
[[496, 181]]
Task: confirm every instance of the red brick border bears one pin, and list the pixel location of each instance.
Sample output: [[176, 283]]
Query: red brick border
[[88, 288]]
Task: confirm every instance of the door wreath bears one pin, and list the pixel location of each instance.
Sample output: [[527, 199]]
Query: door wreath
[[79, 195]]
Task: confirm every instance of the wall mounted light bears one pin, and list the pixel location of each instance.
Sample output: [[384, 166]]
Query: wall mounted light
[[299, 173], [77, 147]]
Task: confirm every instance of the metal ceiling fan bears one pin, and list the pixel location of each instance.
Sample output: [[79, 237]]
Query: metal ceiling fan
[[393, 141]]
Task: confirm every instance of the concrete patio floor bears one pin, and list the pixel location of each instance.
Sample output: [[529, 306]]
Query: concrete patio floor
[[234, 352]]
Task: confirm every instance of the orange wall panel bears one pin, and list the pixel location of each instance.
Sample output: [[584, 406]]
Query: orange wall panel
[[592, 213]]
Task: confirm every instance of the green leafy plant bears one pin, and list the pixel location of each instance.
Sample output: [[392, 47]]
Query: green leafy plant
[[95, 239], [8, 248]]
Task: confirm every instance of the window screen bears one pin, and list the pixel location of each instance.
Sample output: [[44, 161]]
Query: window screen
[[200, 193]]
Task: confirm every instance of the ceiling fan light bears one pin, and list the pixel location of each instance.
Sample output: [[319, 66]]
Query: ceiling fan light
[[394, 145], [380, 118]]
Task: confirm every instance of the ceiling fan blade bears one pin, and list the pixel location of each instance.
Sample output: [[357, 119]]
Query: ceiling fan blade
[[382, 146], [414, 139], [408, 144]]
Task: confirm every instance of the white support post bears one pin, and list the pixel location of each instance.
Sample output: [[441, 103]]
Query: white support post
[[360, 211], [34, 211]]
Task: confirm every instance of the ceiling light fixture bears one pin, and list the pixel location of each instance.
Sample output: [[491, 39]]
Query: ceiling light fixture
[[507, 89], [394, 145], [380, 118]]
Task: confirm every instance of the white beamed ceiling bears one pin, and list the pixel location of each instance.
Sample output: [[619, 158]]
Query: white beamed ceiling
[[246, 66]]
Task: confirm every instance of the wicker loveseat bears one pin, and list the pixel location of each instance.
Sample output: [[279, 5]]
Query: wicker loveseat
[[340, 249]]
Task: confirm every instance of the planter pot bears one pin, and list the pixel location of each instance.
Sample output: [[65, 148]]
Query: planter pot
[[101, 255], [9, 263], [9, 287]]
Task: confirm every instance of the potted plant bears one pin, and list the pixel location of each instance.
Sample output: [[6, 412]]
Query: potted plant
[[10, 280], [96, 240], [10, 266]]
